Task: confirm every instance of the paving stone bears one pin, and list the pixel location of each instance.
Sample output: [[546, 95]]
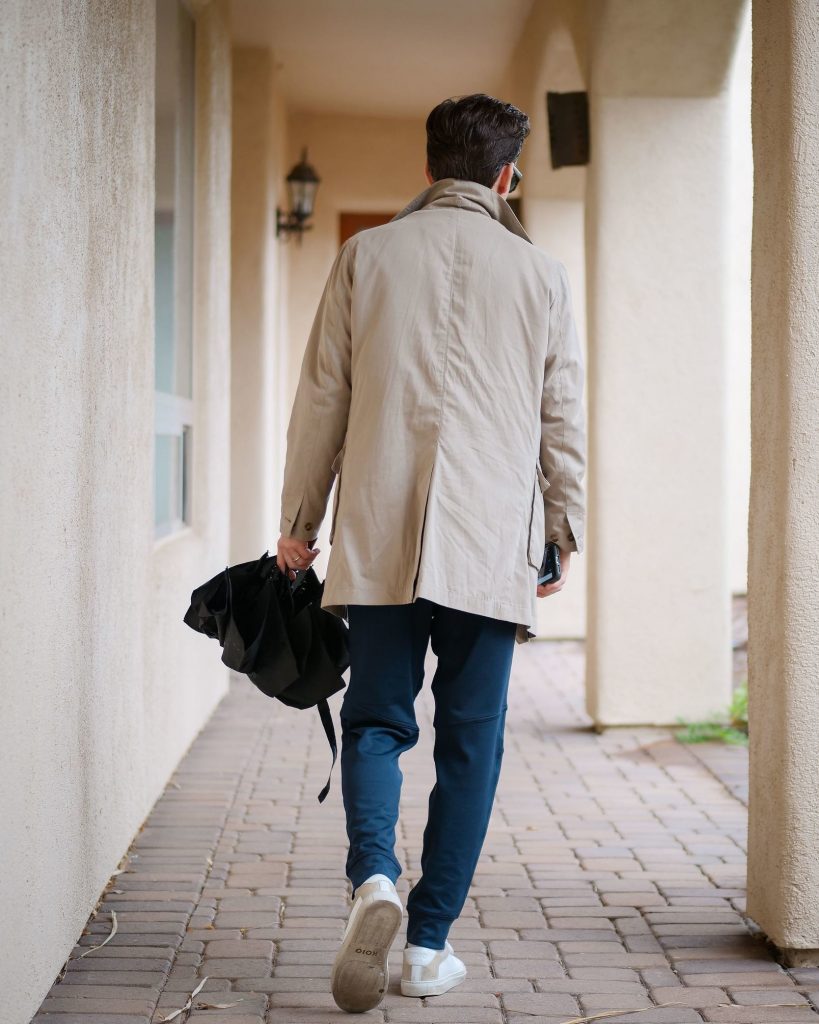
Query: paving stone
[[517, 968], [511, 919], [730, 965], [594, 1002], [220, 948], [98, 964], [504, 949], [636, 960], [760, 996], [225, 1017], [96, 1007], [457, 997], [248, 919], [188, 984], [540, 1003], [689, 995], [263, 904], [90, 990], [725, 979], [61, 1017], [146, 979], [444, 1014], [659, 1015], [328, 1015], [759, 1014]]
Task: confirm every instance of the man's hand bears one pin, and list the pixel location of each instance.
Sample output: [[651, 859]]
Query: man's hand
[[295, 554], [545, 590]]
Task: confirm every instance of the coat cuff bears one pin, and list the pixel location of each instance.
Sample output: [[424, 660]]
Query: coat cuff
[[566, 529], [296, 522]]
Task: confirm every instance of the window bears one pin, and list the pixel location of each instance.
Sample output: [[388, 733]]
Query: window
[[173, 266]]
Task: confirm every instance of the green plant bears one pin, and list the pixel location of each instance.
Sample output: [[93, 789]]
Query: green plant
[[728, 727]]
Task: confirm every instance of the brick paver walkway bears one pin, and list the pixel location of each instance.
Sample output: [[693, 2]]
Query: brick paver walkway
[[612, 879]]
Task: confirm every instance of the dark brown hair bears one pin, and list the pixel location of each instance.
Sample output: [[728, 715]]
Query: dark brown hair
[[472, 137]]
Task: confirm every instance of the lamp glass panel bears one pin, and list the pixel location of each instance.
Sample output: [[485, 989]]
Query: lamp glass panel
[[302, 197]]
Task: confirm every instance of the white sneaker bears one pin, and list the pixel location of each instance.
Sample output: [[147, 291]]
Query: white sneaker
[[430, 972], [361, 971]]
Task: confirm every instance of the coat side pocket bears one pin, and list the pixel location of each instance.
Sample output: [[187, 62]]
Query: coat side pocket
[[338, 462], [537, 520]]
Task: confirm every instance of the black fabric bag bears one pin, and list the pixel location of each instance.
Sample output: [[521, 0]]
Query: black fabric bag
[[275, 631]]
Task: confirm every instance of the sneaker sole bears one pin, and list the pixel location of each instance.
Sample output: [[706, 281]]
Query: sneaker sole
[[420, 989], [361, 973]]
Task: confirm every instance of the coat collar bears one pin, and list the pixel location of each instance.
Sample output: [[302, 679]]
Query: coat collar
[[468, 195]]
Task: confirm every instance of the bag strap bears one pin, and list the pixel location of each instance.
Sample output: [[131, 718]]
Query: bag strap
[[330, 733]]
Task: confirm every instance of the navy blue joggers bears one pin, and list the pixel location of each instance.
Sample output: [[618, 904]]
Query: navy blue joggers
[[470, 686]]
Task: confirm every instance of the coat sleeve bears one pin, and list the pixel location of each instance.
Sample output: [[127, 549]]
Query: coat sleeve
[[563, 426], [318, 420]]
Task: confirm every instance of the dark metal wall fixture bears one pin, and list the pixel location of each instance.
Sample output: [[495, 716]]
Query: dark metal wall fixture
[[302, 185], [568, 115]]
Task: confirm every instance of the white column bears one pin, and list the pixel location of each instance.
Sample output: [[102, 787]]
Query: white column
[[658, 291], [783, 866]]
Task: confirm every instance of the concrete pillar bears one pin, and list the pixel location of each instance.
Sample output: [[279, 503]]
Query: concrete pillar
[[259, 356], [783, 866], [658, 285]]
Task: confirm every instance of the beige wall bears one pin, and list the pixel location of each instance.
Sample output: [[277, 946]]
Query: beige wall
[[103, 687], [259, 342]]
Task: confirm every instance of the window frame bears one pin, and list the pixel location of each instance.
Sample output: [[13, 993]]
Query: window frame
[[174, 413]]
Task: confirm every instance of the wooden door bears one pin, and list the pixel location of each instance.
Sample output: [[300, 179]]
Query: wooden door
[[350, 223]]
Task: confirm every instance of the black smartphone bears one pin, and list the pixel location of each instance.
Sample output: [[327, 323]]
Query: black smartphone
[[549, 571]]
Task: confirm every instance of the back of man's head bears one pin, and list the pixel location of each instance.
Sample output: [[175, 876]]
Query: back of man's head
[[473, 137]]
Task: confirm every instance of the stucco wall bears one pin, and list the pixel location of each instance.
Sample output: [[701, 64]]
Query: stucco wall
[[259, 367], [783, 599], [102, 687]]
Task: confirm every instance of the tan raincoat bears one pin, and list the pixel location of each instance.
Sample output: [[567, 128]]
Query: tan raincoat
[[442, 383]]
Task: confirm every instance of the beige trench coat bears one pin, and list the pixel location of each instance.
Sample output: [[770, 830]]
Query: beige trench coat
[[442, 384]]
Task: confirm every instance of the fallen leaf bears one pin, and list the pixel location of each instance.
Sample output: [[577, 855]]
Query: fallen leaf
[[110, 936], [188, 1004], [217, 1006]]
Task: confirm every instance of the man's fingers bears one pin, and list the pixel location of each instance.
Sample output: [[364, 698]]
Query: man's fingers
[[552, 588], [294, 554], [303, 556]]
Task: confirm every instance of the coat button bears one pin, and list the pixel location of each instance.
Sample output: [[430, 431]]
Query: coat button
[[308, 526]]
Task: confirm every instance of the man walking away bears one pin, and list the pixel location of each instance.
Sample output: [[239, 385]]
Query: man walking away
[[442, 386]]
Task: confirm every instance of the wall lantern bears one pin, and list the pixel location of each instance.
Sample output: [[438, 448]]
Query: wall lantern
[[302, 183]]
